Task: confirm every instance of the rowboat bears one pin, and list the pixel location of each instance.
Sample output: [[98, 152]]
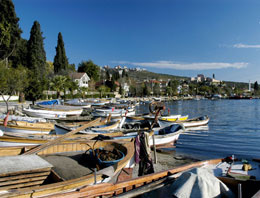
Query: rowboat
[[20, 139], [171, 118], [27, 127], [103, 125], [174, 118], [50, 113], [223, 173], [162, 135], [104, 112], [194, 122], [59, 168]]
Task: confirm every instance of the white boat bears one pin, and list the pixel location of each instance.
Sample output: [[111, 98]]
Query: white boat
[[162, 135], [51, 113], [194, 122], [113, 112], [167, 135]]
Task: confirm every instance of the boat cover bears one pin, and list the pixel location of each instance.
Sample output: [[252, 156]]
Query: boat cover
[[199, 182], [50, 102]]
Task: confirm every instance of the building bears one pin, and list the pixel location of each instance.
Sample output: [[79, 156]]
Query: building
[[81, 78]]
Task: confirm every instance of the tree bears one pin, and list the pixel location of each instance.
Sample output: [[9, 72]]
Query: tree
[[9, 30], [156, 89], [102, 89], [145, 90], [19, 57], [36, 53], [60, 60], [256, 87], [72, 86], [90, 68], [12, 81], [36, 63], [59, 83]]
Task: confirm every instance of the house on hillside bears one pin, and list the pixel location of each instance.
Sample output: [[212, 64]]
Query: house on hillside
[[81, 78]]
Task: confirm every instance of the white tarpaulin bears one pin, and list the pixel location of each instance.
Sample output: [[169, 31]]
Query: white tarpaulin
[[199, 182]]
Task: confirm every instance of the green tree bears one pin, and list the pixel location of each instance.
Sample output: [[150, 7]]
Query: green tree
[[36, 53], [169, 91], [146, 90], [90, 68], [19, 57], [156, 89], [72, 86], [12, 81], [9, 29], [59, 83], [60, 60], [102, 89], [256, 87], [36, 63]]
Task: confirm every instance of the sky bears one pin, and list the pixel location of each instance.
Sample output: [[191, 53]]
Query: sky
[[178, 37]]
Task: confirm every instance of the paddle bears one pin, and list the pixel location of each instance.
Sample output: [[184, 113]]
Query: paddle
[[59, 139]]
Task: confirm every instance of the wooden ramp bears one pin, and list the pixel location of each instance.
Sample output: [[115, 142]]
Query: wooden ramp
[[22, 171]]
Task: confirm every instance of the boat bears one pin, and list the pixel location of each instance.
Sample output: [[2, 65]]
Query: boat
[[174, 118], [163, 136], [48, 112], [61, 167], [27, 127], [194, 122], [225, 172], [104, 112], [23, 139]]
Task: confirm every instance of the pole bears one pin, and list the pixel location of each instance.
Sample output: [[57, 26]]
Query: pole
[[154, 150]]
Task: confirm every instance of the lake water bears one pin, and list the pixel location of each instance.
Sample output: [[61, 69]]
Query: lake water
[[234, 128]]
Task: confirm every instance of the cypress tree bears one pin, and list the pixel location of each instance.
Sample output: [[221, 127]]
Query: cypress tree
[[60, 60], [9, 29], [36, 62], [36, 54]]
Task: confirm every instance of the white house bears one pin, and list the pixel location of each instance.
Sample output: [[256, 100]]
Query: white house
[[81, 78]]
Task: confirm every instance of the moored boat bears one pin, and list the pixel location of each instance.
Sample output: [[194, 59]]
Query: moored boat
[[70, 168], [175, 181], [51, 113], [194, 122], [27, 127]]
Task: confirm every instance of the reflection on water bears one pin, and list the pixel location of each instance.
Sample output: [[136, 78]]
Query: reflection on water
[[234, 127]]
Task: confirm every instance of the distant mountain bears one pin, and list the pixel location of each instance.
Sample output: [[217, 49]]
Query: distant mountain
[[144, 75]]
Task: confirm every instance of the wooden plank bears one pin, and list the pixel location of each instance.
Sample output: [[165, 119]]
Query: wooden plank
[[59, 139], [24, 176], [19, 181], [26, 172], [33, 183]]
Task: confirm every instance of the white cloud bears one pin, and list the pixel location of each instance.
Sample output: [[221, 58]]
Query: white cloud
[[240, 45], [186, 66]]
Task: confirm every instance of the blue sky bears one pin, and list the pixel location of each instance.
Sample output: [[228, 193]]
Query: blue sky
[[178, 37]]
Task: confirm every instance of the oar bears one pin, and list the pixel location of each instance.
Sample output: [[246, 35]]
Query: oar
[[59, 139]]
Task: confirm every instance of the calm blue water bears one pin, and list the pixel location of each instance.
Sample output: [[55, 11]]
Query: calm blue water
[[234, 128]]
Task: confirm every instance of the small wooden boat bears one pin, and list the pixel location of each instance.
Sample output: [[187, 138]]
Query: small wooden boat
[[104, 112], [103, 124], [194, 122], [27, 127], [66, 167], [20, 139], [51, 113], [162, 135], [223, 169], [174, 118]]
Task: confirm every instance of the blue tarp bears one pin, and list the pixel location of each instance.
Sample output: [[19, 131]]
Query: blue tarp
[[50, 102]]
